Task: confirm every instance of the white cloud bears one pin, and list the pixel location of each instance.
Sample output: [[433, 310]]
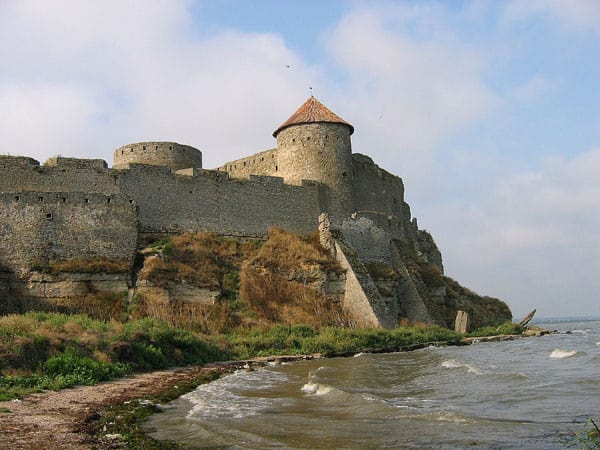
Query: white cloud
[[46, 119], [89, 77], [536, 241], [572, 15], [413, 83]]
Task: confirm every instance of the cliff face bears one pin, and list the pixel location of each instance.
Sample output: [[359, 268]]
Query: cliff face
[[213, 283], [401, 279]]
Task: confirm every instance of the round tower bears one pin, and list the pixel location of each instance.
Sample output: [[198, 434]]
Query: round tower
[[314, 144], [171, 154]]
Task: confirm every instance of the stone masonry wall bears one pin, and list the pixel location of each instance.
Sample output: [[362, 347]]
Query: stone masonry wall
[[263, 163], [379, 195], [201, 201], [320, 152], [18, 174], [37, 227], [171, 154]]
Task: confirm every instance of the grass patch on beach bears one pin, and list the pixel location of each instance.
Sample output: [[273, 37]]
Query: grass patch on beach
[[329, 341], [41, 351]]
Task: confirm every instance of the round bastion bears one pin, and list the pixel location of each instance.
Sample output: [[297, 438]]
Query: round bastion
[[170, 154]]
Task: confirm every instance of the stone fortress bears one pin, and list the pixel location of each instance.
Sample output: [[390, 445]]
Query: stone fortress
[[72, 208]]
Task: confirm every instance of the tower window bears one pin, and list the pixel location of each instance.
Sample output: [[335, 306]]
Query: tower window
[[49, 216], [64, 199], [275, 168], [17, 198], [108, 200], [41, 199], [344, 174], [87, 200], [144, 147]]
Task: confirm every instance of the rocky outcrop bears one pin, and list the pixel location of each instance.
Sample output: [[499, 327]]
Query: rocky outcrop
[[68, 285]]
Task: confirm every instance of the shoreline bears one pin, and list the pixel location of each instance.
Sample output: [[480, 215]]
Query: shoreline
[[73, 418]]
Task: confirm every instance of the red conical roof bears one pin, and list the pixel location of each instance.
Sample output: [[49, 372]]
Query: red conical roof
[[312, 111]]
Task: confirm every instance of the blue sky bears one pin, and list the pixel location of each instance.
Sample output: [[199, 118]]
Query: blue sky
[[489, 111]]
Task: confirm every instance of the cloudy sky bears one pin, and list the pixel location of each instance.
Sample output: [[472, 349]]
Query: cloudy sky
[[489, 111]]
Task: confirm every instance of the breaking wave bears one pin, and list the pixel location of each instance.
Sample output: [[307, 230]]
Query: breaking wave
[[560, 353], [453, 364], [317, 388]]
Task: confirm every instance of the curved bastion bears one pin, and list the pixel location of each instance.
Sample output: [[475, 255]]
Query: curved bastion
[[171, 154]]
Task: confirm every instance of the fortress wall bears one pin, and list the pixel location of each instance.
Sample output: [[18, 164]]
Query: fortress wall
[[171, 154], [175, 203], [263, 163], [76, 163], [43, 226], [25, 162], [380, 192], [57, 175]]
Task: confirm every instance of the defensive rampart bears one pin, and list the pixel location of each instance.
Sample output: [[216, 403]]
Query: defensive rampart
[[18, 174], [263, 163], [211, 201], [39, 227]]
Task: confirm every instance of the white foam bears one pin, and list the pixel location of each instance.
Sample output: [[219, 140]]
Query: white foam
[[598, 343], [316, 388], [453, 364], [560, 353], [358, 354]]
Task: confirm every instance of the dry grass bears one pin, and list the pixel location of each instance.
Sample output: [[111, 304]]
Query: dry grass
[[270, 287], [210, 319], [285, 251], [200, 259]]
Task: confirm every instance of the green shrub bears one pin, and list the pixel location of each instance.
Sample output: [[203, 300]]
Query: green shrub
[[78, 369]]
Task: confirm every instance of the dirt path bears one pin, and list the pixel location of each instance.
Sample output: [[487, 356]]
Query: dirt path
[[55, 420]]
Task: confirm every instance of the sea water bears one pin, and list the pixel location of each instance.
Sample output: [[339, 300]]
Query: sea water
[[527, 393]]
